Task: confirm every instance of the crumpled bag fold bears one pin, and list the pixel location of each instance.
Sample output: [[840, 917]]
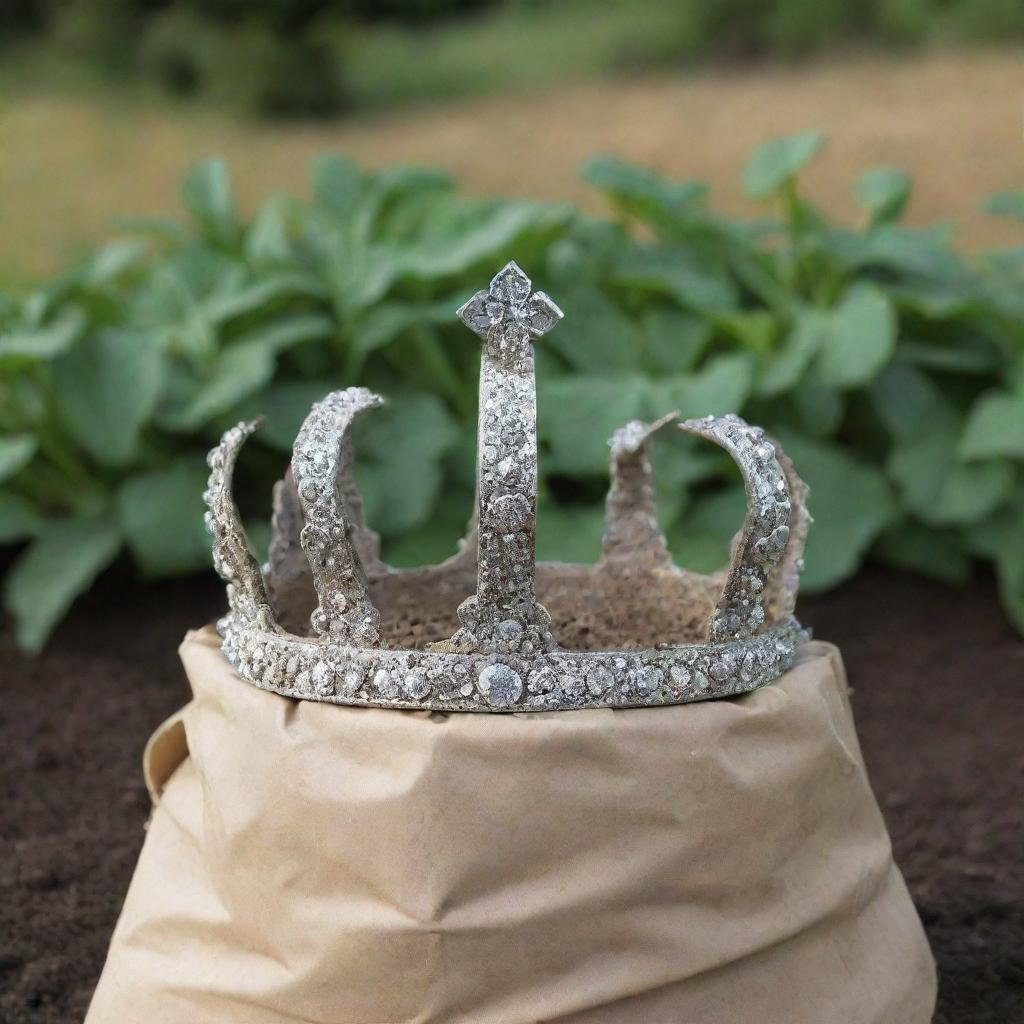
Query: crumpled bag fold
[[713, 863]]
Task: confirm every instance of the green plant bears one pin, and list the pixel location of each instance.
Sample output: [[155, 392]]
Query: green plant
[[888, 366]]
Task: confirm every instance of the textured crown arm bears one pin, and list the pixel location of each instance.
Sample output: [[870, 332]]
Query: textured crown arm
[[332, 511], [232, 557], [766, 535]]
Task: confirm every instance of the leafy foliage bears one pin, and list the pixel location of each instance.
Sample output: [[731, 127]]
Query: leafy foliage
[[887, 365]]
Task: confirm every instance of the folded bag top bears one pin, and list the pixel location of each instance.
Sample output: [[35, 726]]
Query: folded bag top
[[327, 620]]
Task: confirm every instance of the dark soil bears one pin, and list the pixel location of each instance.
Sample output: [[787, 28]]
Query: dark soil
[[938, 679]]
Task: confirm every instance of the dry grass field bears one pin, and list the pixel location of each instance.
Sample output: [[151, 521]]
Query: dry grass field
[[69, 165]]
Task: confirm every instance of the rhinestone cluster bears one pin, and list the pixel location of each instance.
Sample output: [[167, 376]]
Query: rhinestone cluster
[[540, 682], [344, 611]]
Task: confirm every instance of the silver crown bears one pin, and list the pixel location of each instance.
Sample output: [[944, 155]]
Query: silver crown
[[631, 630]]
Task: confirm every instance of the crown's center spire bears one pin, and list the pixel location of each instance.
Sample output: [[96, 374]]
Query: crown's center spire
[[504, 615], [508, 315]]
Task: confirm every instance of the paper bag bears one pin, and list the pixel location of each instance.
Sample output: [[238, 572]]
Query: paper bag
[[714, 863]]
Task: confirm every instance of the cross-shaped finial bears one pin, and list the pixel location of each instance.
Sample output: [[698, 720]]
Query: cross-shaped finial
[[507, 316]]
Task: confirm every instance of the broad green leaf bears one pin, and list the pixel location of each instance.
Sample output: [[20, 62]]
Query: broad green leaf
[[40, 344], [113, 260], [783, 368], [595, 335], [19, 518], [721, 386], [776, 162], [58, 565], [1001, 538], [107, 387], [1010, 572], [995, 427], [337, 185], [923, 464], [207, 195], [755, 329], [859, 340], [587, 251], [851, 503], [760, 273], [268, 238], [941, 554], [16, 451], [411, 427], [936, 299], [674, 341], [923, 251], [577, 415], [1006, 204], [819, 410], [569, 533], [941, 491], [883, 193], [161, 516], [238, 298], [959, 357], [400, 449], [284, 405], [700, 541], [387, 322], [398, 495], [428, 544], [244, 368], [486, 241], [398, 198], [909, 403], [676, 274], [641, 192], [1000, 530]]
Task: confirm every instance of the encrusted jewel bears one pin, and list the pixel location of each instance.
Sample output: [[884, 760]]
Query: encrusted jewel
[[500, 685], [600, 680], [416, 685], [542, 680], [323, 679], [385, 683]]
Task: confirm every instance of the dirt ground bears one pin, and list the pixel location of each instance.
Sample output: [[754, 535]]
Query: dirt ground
[[953, 120], [936, 675]]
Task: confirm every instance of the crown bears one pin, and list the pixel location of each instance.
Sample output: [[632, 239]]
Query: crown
[[327, 620]]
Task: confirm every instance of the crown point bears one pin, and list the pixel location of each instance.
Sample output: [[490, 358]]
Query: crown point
[[507, 315]]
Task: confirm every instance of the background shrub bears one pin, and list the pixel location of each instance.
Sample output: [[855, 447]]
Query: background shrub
[[888, 366], [315, 58]]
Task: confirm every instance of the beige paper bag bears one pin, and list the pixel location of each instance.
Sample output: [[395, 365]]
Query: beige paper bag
[[716, 863]]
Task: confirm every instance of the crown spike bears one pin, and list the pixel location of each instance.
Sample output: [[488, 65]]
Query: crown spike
[[332, 510], [765, 533], [504, 613], [232, 557], [633, 541]]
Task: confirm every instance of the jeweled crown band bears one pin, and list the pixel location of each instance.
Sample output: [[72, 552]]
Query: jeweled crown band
[[505, 654]]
